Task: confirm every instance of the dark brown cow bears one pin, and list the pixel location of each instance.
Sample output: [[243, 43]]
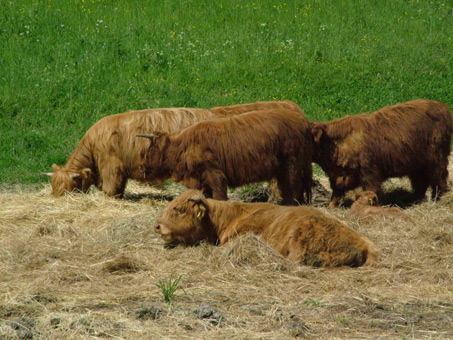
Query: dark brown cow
[[108, 154], [366, 205], [232, 151], [302, 234], [408, 139]]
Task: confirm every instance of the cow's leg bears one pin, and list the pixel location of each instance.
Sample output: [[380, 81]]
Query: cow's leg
[[438, 182], [216, 182], [419, 183], [289, 182], [337, 192], [113, 181], [307, 182], [113, 186]]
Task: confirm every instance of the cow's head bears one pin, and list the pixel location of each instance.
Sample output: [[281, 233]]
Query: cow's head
[[186, 220], [152, 156], [344, 183], [323, 146], [367, 198], [64, 180]]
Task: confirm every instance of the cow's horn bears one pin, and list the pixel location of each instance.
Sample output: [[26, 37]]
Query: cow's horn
[[75, 175], [196, 199], [47, 174], [150, 136]]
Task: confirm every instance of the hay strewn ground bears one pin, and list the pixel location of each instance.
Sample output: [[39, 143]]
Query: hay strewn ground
[[86, 267]]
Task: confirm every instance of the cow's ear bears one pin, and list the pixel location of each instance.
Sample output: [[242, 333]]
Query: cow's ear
[[199, 206], [317, 131], [200, 210], [86, 173]]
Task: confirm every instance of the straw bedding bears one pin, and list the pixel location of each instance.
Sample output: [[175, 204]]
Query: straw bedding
[[83, 266]]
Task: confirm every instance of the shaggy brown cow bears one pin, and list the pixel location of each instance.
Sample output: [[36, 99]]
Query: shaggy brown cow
[[302, 234], [366, 205], [232, 151], [408, 139], [242, 108], [108, 154]]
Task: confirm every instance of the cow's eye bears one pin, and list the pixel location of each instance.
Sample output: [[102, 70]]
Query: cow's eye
[[178, 211]]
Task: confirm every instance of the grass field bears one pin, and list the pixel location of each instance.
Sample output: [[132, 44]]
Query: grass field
[[66, 63]]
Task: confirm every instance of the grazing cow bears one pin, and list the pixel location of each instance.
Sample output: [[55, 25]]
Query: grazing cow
[[232, 151], [366, 205], [408, 139], [108, 154], [302, 234]]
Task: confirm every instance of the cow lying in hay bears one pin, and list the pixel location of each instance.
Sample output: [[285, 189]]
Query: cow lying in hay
[[408, 139], [252, 147], [366, 205], [108, 154], [302, 234]]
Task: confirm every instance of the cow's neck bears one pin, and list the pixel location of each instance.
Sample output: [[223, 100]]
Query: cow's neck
[[171, 161], [81, 158], [221, 214]]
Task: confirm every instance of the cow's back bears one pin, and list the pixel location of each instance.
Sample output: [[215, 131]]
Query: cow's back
[[300, 233], [395, 138], [243, 108], [248, 147], [114, 136]]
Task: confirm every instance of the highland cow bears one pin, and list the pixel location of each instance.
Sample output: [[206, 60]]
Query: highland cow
[[108, 154], [251, 147], [408, 139], [366, 205], [302, 234]]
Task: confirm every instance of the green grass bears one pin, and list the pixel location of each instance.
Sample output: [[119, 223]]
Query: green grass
[[169, 287], [64, 64]]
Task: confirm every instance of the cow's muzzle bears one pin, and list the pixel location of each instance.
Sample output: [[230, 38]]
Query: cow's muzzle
[[164, 232], [158, 227]]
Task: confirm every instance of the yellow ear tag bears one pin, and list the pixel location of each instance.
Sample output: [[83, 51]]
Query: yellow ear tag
[[199, 214], [85, 176], [371, 201]]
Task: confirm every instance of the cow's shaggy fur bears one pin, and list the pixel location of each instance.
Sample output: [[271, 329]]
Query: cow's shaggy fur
[[366, 205], [408, 139], [232, 151], [108, 154], [242, 108], [302, 234]]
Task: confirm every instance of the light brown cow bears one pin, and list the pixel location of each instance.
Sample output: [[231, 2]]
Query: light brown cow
[[236, 150], [366, 205], [408, 139], [108, 154], [302, 234]]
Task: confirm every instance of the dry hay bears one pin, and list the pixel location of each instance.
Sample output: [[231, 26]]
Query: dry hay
[[83, 266]]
